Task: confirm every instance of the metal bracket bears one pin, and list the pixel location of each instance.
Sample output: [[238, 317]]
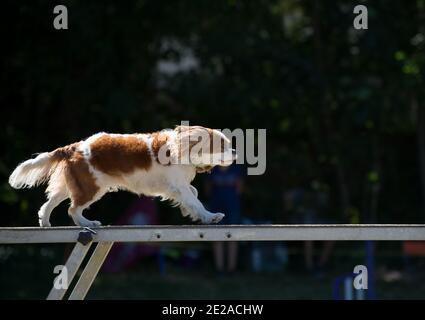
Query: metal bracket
[[84, 242], [86, 236], [72, 265], [90, 271]]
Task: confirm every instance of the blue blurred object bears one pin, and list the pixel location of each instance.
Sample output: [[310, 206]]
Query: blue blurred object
[[224, 193]]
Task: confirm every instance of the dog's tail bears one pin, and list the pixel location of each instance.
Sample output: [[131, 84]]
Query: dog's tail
[[36, 171]]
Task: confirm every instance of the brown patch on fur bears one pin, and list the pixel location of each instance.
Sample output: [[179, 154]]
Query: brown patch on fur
[[64, 152], [211, 133], [81, 183], [115, 155], [158, 140]]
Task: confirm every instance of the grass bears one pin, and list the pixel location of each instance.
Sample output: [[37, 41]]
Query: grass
[[179, 284]]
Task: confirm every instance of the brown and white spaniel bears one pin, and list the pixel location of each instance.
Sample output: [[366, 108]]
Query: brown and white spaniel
[[159, 164]]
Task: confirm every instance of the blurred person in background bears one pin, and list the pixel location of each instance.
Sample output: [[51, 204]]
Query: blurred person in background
[[223, 188], [307, 206]]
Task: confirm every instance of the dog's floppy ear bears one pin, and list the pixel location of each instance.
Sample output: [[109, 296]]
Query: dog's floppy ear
[[192, 137], [194, 134]]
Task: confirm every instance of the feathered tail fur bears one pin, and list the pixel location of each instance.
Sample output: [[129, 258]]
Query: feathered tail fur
[[32, 172]]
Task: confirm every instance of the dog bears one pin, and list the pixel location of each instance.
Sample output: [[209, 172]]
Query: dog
[[159, 164]]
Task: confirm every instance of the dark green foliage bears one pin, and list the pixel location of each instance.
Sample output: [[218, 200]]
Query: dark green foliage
[[339, 104]]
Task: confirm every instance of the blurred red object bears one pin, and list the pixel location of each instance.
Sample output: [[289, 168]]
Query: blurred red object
[[414, 248], [125, 255]]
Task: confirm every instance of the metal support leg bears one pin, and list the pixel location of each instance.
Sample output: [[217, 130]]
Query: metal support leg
[[90, 271], [72, 264]]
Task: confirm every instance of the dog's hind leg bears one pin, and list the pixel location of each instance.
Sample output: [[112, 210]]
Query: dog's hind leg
[[83, 189], [56, 193], [76, 213], [81, 199], [46, 209]]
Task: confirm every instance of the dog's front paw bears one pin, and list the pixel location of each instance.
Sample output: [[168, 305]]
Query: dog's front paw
[[209, 218], [214, 218], [44, 223], [217, 217]]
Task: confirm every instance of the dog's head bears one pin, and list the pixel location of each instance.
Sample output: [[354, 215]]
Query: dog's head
[[204, 148]]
